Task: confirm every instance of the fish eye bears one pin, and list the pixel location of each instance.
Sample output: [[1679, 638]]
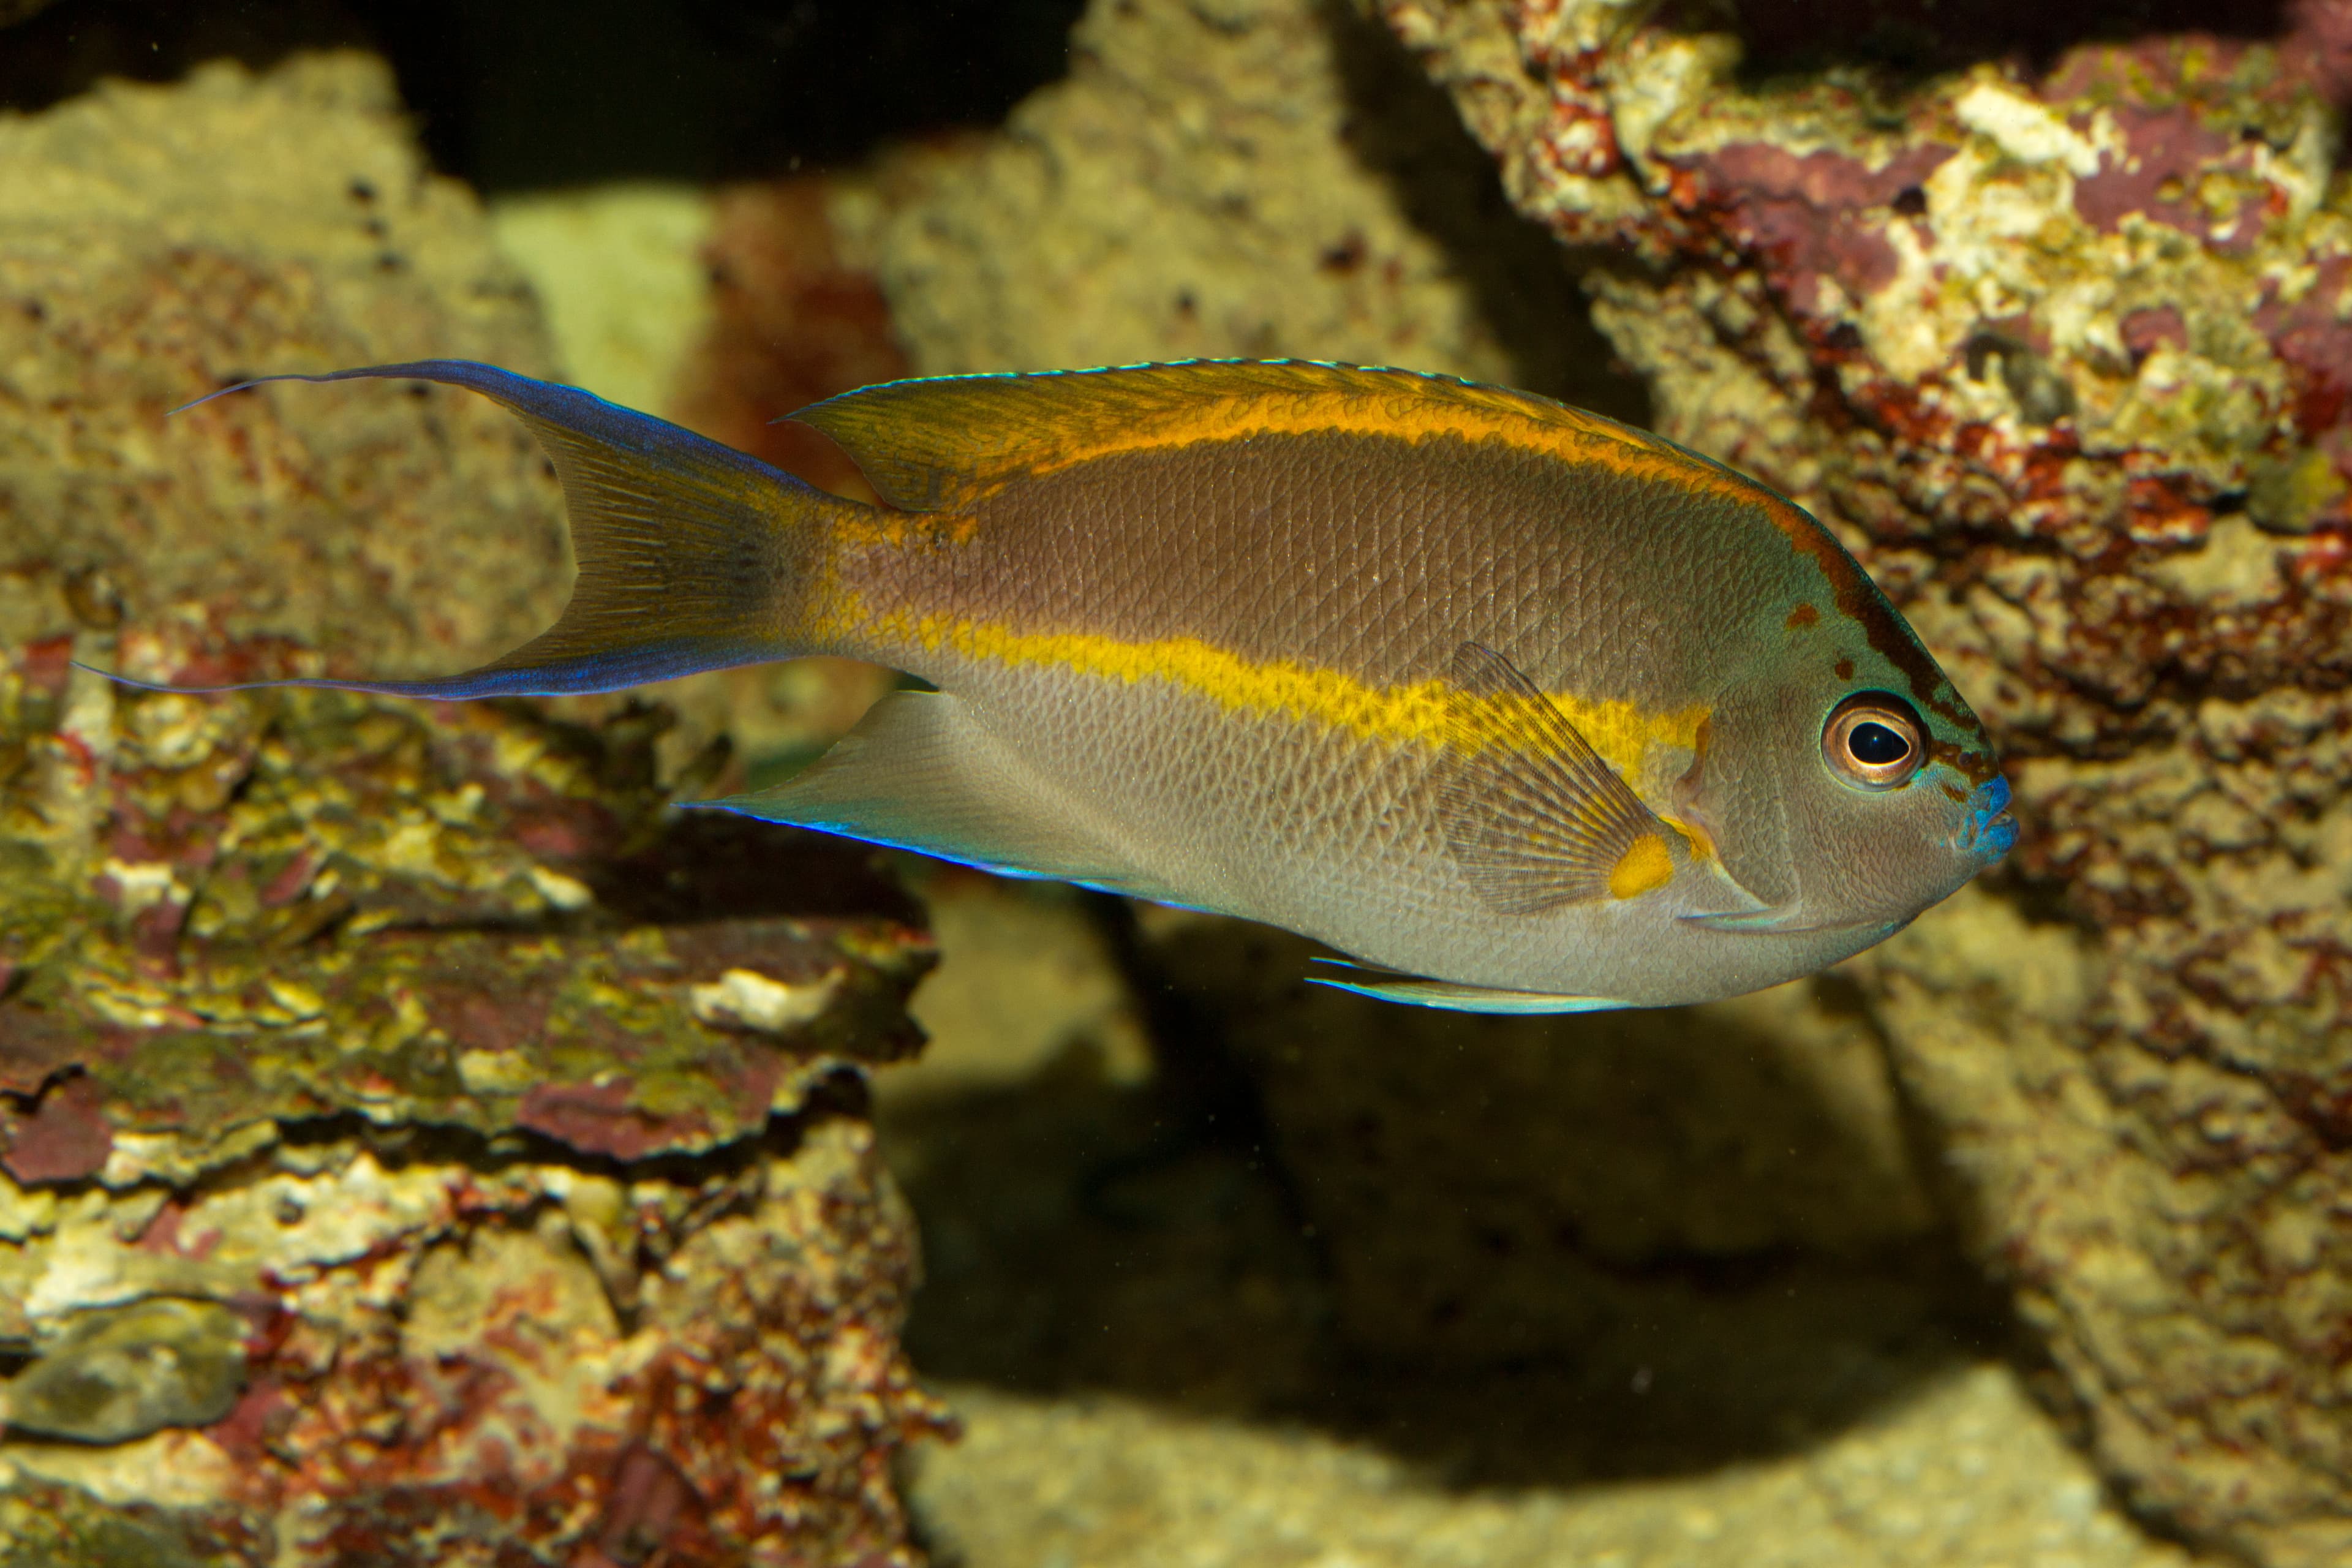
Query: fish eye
[[1873, 741]]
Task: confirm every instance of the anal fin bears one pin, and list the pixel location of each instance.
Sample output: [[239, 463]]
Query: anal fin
[[1419, 991], [921, 773]]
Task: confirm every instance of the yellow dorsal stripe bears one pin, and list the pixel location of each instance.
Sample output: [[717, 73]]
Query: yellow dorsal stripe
[[956, 441], [1560, 432], [1420, 713]]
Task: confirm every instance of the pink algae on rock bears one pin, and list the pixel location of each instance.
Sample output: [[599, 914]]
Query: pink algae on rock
[[530, 1238], [2054, 337]]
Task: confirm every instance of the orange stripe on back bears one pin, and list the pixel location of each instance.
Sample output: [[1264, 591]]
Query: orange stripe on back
[[955, 440]]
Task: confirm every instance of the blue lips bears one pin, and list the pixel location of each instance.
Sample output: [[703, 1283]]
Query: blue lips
[[1991, 832]]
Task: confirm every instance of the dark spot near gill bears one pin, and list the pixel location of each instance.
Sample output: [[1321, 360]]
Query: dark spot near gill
[[1844, 670], [1910, 201]]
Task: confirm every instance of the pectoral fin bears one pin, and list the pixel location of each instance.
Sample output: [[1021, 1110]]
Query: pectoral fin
[[1451, 996], [1533, 815], [920, 772]]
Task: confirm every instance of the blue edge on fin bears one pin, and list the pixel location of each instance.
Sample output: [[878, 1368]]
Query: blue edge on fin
[[1410, 990], [994, 867], [1453, 996]]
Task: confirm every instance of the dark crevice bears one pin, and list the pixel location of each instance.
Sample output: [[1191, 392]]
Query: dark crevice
[[1403, 127], [533, 93], [399, 1145], [1909, 39]]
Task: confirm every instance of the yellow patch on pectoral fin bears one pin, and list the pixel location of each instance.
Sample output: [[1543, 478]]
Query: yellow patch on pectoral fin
[[1534, 816], [1645, 867]]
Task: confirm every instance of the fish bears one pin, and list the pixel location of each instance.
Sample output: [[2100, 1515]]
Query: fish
[[1515, 707]]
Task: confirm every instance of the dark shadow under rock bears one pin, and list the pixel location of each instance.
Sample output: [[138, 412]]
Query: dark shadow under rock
[[1227, 1238]]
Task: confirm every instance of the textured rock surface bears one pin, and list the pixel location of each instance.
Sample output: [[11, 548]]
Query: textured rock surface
[[1176, 1331], [616, 268], [1962, 1474], [545, 1223], [417, 1144], [158, 242], [2060, 351], [1215, 177]]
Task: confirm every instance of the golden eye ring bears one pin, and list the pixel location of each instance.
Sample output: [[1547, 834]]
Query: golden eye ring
[[1873, 741]]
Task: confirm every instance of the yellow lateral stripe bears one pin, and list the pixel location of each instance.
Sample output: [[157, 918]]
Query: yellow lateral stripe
[[1422, 713]]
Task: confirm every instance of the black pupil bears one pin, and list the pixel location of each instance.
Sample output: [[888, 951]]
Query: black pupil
[[1875, 745]]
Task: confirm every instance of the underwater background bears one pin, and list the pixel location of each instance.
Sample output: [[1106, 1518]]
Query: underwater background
[[420, 1145]]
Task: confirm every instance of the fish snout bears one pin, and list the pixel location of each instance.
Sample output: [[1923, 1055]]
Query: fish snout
[[1989, 831]]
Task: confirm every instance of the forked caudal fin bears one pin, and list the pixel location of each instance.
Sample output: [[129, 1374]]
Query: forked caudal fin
[[691, 556]]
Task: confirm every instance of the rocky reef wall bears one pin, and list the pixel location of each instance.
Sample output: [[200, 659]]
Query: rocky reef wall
[[417, 1145], [2054, 339]]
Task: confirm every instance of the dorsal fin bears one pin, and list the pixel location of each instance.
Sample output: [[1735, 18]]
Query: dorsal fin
[[945, 443]]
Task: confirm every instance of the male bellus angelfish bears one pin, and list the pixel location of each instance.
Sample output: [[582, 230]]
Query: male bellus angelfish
[[1523, 710]]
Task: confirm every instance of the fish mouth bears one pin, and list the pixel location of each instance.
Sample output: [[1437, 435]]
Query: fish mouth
[[1989, 832]]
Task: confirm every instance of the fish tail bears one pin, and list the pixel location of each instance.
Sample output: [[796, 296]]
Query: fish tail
[[691, 556]]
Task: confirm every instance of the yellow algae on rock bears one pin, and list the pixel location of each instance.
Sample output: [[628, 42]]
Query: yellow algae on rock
[[615, 270]]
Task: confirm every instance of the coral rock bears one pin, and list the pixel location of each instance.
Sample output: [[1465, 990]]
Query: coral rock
[[2059, 353], [1211, 180], [313, 239], [362, 1057], [418, 1144]]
